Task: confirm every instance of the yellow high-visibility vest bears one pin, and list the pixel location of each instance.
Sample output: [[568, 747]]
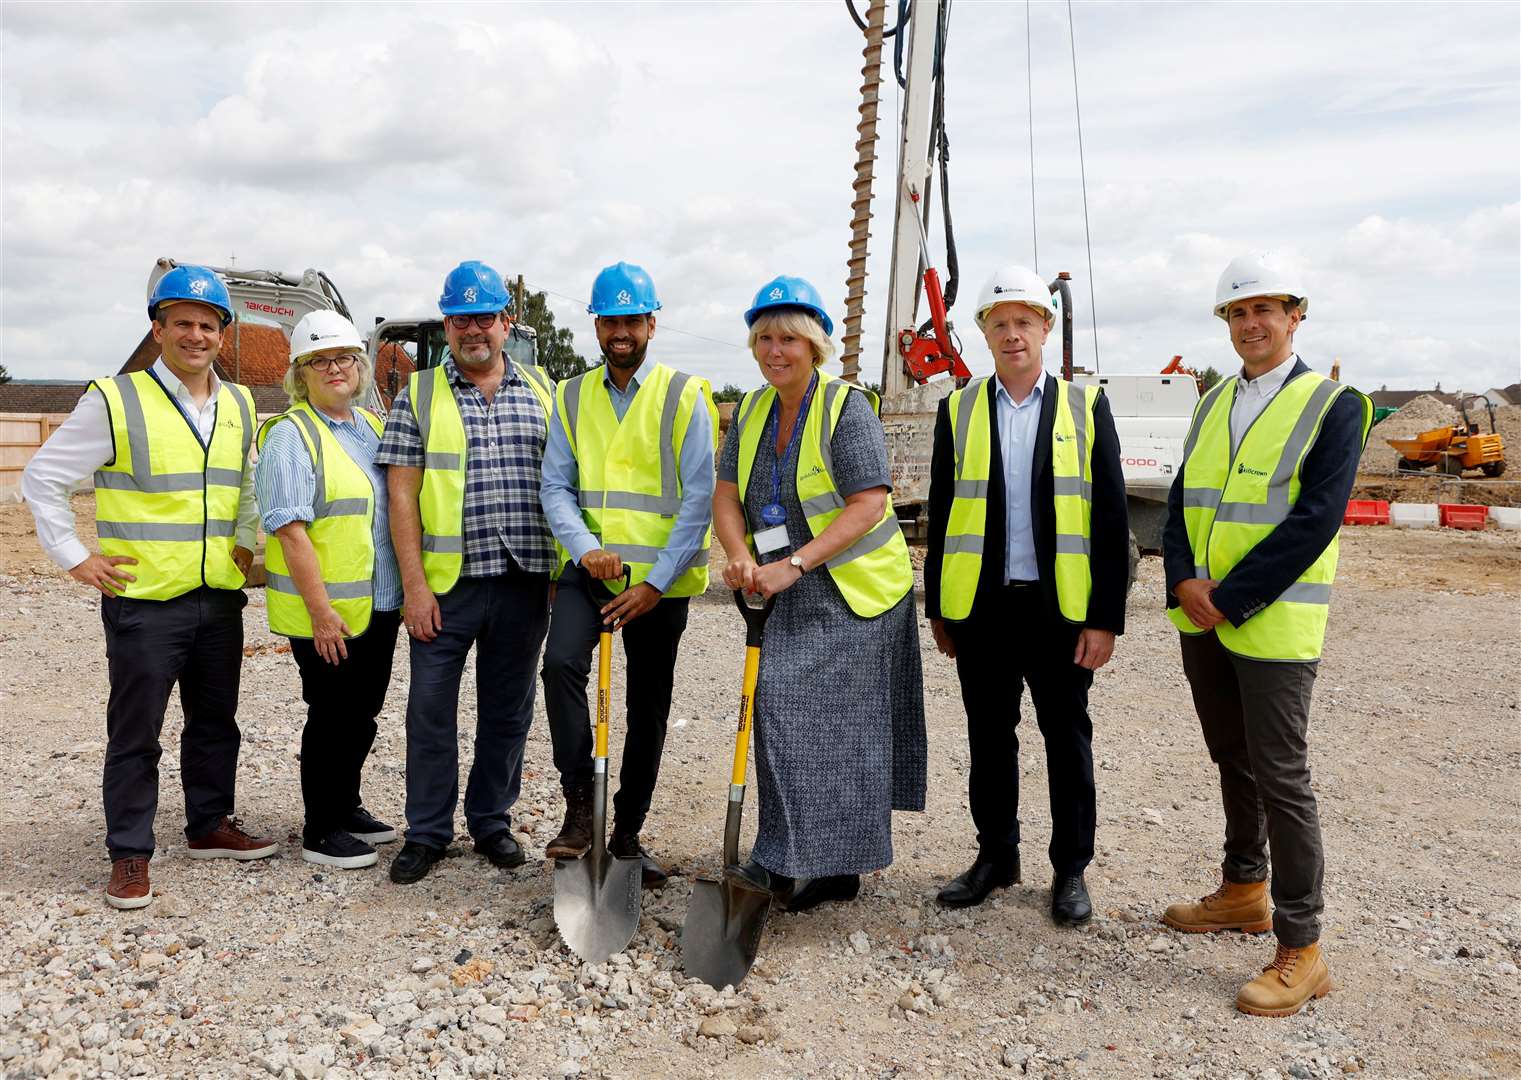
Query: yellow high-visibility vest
[[629, 479], [441, 501], [874, 573], [1072, 477], [341, 530], [1232, 501], [166, 499]]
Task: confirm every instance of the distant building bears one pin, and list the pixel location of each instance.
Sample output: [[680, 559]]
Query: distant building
[[1394, 399], [1505, 395]]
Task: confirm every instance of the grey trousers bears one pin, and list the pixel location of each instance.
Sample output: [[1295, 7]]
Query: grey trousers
[[1256, 716]]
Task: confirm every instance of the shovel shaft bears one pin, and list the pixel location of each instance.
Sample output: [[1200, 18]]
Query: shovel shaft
[[604, 693], [746, 719]]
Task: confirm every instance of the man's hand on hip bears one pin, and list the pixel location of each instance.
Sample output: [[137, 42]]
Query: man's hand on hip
[[100, 572]]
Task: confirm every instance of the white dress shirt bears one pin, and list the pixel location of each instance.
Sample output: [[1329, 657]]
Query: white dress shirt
[[1253, 395], [1018, 428], [83, 443]]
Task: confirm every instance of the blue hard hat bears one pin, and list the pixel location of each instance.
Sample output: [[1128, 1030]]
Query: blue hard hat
[[195, 283], [473, 288], [790, 292], [623, 289]]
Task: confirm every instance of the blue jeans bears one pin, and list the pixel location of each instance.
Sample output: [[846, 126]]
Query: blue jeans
[[505, 618]]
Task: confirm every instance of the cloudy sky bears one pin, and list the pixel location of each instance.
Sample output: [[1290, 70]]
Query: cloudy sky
[[1377, 145]]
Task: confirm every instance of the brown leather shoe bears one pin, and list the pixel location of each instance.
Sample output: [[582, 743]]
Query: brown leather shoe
[[1232, 906], [1285, 985], [575, 835], [129, 887], [229, 841]]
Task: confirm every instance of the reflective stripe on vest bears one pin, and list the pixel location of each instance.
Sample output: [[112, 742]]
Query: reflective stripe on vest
[[441, 499], [874, 573], [341, 531], [626, 503], [165, 499], [1072, 497], [1231, 502]]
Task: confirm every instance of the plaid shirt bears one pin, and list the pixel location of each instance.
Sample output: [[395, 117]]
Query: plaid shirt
[[504, 446]]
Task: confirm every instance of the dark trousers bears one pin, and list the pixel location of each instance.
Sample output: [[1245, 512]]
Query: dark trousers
[[342, 701], [504, 617], [1256, 717], [195, 640], [1009, 643], [650, 643]]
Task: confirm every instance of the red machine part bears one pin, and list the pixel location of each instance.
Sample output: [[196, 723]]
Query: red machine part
[[929, 354]]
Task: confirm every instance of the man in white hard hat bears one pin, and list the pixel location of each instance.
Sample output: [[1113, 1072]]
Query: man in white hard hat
[[1025, 583], [1250, 550]]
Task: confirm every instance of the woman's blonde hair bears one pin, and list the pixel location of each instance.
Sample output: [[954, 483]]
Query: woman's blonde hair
[[798, 323], [295, 386]]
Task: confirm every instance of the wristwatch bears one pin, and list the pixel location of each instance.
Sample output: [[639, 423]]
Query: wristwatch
[[797, 561]]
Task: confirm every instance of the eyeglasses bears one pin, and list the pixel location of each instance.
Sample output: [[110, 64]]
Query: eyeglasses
[[462, 322], [328, 363]]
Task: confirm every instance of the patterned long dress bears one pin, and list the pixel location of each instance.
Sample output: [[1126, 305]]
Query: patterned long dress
[[839, 705]]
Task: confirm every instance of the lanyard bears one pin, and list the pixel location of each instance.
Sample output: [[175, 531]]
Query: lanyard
[[772, 423]]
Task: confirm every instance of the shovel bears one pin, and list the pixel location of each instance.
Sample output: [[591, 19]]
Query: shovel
[[597, 895], [725, 918]]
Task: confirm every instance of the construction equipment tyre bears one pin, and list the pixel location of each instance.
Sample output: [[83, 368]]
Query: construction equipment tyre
[[1451, 465], [1493, 469]]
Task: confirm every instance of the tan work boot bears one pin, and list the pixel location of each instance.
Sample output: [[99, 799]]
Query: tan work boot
[[1230, 907], [1293, 978]]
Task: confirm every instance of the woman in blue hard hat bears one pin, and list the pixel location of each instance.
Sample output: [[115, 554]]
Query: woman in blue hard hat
[[803, 509], [334, 588]]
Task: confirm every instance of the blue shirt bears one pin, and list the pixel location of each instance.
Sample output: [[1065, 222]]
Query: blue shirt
[[695, 466], [286, 485], [1018, 426]]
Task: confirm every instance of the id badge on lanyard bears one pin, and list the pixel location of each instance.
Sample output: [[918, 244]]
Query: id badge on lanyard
[[773, 514]]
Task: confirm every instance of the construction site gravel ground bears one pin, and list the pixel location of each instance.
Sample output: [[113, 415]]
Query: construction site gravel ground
[[280, 968]]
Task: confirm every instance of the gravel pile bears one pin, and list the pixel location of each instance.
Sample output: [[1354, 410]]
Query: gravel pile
[[282, 969]]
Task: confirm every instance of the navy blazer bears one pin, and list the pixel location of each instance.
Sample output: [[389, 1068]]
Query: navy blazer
[[1325, 483], [1109, 553]]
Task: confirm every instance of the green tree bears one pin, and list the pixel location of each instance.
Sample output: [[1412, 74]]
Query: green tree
[[557, 347], [5, 376], [1209, 376], [730, 392]]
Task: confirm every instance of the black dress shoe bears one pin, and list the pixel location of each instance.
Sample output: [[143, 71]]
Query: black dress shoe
[[1070, 905], [501, 849], [626, 846], [980, 879], [821, 890], [752, 875], [413, 862]]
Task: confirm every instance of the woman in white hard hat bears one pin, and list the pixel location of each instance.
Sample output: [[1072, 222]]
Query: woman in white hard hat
[[839, 705], [334, 588]]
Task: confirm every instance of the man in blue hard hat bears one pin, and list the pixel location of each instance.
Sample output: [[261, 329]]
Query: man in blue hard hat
[[464, 442], [176, 519], [628, 486]]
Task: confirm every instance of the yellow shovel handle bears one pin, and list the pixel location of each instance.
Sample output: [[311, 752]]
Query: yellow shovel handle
[[604, 695], [746, 715]]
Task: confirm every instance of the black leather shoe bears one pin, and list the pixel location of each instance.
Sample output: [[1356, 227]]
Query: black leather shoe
[[413, 862], [651, 874], [501, 849], [752, 875], [980, 879], [821, 890], [1070, 905]]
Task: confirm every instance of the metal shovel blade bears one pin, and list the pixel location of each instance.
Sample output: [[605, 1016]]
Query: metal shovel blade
[[597, 904], [722, 931]]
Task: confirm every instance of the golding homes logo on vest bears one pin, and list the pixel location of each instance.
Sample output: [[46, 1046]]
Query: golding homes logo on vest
[[1243, 469]]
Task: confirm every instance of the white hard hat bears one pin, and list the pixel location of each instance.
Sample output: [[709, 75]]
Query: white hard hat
[[1015, 285], [1253, 275], [320, 330]]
